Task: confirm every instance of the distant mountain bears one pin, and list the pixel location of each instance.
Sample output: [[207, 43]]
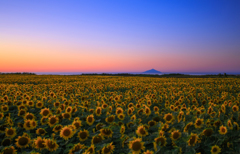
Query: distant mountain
[[152, 71]]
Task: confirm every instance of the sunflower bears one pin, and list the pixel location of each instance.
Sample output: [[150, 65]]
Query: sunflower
[[119, 110], [121, 116], [192, 140], [222, 130], [56, 104], [52, 120], [77, 123], [152, 123], [90, 119], [66, 115], [108, 149], [140, 112], [198, 123], [141, 131], [33, 124], [66, 132], [57, 128], [51, 145], [41, 131], [215, 149], [77, 147], [155, 109], [133, 117], [83, 135], [175, 135], [23, 141], [27, 124], [147, 111], [104, 105], [168, 117], [110, 119], [44, 120], [40, 143], [30, 103], [98, 111], [6, 142], [45, 112], [22, 107], [207, 132], [90, 150], [164, 127], [229, 124], [136, 145], [9, 150], [106, 132], [21, 113], [1, 115], [217, 123], [186, 128], [99, 126], [10, 132], [97, 139], [5, 108], [122, 129], [235, 108], [69, 109], [159, 141]]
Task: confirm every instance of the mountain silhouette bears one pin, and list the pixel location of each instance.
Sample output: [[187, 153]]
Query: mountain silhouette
[[152, 71]]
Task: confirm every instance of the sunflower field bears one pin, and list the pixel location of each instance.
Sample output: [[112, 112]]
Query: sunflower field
[[120, 115]]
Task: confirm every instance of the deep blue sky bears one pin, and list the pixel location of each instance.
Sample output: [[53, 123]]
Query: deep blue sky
[[120, 35]]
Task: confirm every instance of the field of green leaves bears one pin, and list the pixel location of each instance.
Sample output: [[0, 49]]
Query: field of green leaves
[[109, 114]]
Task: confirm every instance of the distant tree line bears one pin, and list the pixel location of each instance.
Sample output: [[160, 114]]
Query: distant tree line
[[18, 73]]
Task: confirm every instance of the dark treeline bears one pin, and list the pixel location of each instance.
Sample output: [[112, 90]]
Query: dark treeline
[[175, 75], [18, 73]]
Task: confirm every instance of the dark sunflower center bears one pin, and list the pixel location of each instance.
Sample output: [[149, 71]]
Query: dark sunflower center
[[97, 139], [66, 115], [199, 122], [51, 145], [45, 112], [8, 151], [41, 131], [169, 117], [136, 146], [223, 130], [107, 149], [10, 132], [28, 124], [53, 120], [110, 119], [176, 135], [142, 131], [90, 119], [66, 132], [58, 127], [22, 112], [208, 132], [23, 141], [160, 140], [6, 142], [40, 144], [192, 140], [83, 135], [106, 131], [77, 125], [215, 149]]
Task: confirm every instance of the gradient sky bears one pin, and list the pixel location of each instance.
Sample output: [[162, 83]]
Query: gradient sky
[[119, 35]]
